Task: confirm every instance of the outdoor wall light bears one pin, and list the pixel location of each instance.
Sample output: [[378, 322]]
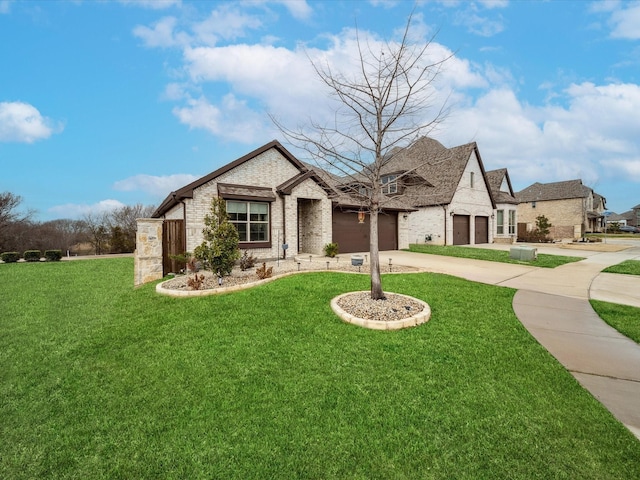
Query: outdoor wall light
[[360, 216]]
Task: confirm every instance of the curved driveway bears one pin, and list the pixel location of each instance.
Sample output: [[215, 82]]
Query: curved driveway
[[553, 305]]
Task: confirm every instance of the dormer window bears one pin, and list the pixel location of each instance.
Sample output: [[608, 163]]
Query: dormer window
[[389, 184]]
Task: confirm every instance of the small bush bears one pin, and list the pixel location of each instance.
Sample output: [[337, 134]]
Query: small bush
[[10, 257], [264, 272], [32, 255], [331, 249], [247, 261], [53, 255]]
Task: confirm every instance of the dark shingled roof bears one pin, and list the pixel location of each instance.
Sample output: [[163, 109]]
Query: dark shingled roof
[[495, 179], [174, 198], [539, 192], [441, 167]]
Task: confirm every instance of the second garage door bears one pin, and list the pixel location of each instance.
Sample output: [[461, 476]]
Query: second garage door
[[352, 236]]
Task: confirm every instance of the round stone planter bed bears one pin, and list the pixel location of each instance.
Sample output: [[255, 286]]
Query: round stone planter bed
[[396, 312]]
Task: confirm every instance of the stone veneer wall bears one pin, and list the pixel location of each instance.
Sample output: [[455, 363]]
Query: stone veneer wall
[[148, 254]]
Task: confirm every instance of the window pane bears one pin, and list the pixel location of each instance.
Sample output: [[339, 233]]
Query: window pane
[[258, 232], [259, 212], [237, 211], [500, 222], [242, 231]]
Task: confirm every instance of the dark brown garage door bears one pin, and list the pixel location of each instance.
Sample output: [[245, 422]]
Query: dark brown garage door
[[352, 236], [461, 224], [482, 230]]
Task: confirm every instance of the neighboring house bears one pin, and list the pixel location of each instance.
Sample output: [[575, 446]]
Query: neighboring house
[[630, 217], [635, 216], [571, 207], [448, 190], [432, 194], [620, 219], [506, 216]]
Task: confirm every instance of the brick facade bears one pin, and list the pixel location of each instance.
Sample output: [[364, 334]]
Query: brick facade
[[268, 169], [567, 217]]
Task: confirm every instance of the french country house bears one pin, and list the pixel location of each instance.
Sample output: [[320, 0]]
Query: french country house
[[283, 207], [571, 207]]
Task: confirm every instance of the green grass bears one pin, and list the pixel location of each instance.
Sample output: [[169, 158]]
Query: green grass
[[628, 267], [543, 260], [624, 318], [100, 380]]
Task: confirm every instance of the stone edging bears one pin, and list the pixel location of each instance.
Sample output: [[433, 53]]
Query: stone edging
[[234, 288], [413, 321]]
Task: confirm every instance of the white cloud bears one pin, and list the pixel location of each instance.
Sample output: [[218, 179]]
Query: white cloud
[[227, 23], [584, 139], [154, 185], [22, 122], [152, 4], [625, 22], [298, 9], [231, 120], [161, 34], [78, 210]]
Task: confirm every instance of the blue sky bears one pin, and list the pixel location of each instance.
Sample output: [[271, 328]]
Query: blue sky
[[109, 103]]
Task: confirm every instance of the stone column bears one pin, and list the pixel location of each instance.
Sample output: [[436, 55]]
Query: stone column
[[148, 254]]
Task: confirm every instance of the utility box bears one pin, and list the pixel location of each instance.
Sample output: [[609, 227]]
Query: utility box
[[526, 254]]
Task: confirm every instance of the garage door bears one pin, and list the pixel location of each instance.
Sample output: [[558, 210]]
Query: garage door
[[352, 236], [461, 224], [482, 230]]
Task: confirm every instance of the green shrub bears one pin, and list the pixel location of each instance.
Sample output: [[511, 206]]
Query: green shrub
[[53, 255], [219, 250], [32, 255], [331, 249], [10, 257]]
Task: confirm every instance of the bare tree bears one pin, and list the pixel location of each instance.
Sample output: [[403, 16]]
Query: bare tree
[[11, 219], [386, 104], [98, 232], [122, 226]]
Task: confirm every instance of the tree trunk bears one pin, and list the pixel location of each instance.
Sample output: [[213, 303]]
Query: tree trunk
[[376, 282]]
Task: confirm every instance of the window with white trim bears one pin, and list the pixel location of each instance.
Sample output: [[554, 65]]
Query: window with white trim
[[500, 222], [512, 222], [251, 219], [389, 184]]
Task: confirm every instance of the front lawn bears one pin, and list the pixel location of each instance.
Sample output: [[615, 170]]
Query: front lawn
[[628, 267], [624, 318], [100, 380], [543, 260]]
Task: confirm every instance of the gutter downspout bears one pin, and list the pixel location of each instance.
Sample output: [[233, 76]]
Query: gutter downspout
[[284, 227]]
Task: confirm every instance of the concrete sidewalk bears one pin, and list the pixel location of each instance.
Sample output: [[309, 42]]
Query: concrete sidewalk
[[553, 305]]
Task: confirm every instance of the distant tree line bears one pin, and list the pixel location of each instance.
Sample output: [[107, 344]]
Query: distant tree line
[[109, 232]]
